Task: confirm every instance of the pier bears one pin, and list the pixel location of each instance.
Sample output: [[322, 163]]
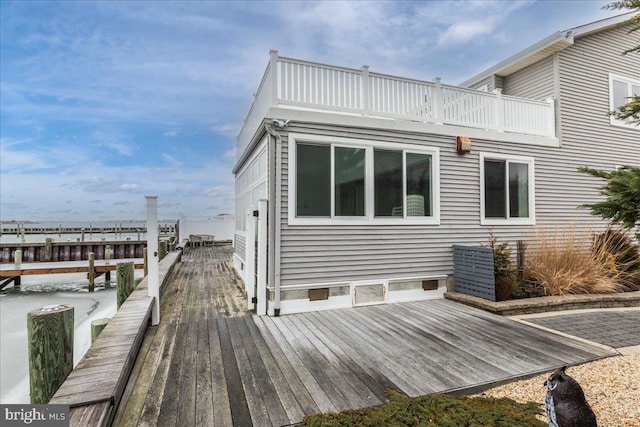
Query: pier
[[71, 251], [211, 362], [12, 272], [166, 229]]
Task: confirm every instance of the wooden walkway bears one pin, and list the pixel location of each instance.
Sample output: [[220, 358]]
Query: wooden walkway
[[210, 363]]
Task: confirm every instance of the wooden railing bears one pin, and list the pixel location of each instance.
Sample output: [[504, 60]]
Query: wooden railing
[[291, 82]]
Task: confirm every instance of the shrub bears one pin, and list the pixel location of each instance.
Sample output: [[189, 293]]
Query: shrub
[[564, 261], [622, 254], [505, 275], [435, 411]]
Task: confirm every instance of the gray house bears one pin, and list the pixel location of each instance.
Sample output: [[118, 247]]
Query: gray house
[[353, 186]]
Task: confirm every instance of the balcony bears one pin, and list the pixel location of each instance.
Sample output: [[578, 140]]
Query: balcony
[[292, 83]]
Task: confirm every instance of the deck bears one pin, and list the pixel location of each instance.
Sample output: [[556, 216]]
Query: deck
[[211, 363]]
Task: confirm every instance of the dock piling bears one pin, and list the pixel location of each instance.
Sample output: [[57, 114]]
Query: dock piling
[[125, 281], [97, 326], [162, 249], [50, 337], [17, 257], [92, 271], [48, 249]]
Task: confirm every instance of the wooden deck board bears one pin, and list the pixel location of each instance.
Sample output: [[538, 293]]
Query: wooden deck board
[[204, 389], [265, 386], [220, 397], [214, 364], [284, 367], [282, 390], [310, 381]]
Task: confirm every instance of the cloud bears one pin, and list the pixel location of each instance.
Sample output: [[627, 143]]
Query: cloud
[[130, 188], [462, 32], [170, 133], [172, 161]]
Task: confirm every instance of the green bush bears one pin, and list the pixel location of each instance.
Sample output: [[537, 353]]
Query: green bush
[[436, 410], [505, 274]]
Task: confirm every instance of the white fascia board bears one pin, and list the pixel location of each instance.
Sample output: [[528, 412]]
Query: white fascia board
[[533, 53], [328, 117], [547, 46], [601, 25]]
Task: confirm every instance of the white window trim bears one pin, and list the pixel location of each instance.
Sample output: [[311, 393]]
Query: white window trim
[[532, 185], [629, 81], [369, 218]]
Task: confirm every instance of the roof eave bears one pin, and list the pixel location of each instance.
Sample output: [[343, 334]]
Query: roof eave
[[546, 47], [533, 53]]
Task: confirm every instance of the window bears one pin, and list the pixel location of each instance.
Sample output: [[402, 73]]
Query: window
[[402, 178], [349, 181], [621, 89], [313, 191], [507, 189], [340, 180]]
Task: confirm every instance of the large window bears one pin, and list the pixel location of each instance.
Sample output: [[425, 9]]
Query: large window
[[402, 183], [339, 180], [313, 191], [507, 189], [621, 89]]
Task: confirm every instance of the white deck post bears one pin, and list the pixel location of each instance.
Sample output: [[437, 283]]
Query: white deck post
[[250, 261], [152, 257], [438, 102], [261, 308], [499, 111], [273, 72], [366, 100]]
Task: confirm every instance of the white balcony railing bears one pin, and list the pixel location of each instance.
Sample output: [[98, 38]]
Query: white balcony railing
[[295, 83]]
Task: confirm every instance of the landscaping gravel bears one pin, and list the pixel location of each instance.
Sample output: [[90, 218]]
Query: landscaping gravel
[[611, 385]]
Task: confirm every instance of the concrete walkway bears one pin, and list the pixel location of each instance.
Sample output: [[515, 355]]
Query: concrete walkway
[[616, 328]]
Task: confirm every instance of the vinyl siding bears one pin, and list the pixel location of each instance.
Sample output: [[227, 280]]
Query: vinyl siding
[[316, 254], [322, 254], [584, 88], [240, 245], [533, 82]]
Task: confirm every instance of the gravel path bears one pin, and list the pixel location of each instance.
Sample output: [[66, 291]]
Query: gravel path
[[612, 388]]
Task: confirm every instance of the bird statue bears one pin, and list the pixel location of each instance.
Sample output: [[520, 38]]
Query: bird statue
[[565, 402]]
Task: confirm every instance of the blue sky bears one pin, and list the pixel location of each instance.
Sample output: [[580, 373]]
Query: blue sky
[[102, 103]]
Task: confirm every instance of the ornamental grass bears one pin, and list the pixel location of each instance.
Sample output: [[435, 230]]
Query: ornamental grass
[[567, 261]]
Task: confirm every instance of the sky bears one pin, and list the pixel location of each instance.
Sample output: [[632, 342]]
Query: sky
[[104, 102]]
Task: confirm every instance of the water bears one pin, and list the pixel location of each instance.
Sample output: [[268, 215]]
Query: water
[[37, 292]]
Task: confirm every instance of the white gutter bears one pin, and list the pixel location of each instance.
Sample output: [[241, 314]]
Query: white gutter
[[275, 178], [546, 47]]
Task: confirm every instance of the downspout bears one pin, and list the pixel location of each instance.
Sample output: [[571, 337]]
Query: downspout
[[275, 178]]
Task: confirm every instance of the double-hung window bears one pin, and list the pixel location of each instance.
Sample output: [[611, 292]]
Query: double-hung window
[[507, 189], [348, 181], [621, 89]]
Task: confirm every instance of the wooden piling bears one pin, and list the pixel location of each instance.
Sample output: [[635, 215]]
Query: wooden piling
[[50, 340], [97, 326], [92, 271], [107, 253], [48, 249], [162, 249], [17, 256], [125, 281], [82, 235]]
